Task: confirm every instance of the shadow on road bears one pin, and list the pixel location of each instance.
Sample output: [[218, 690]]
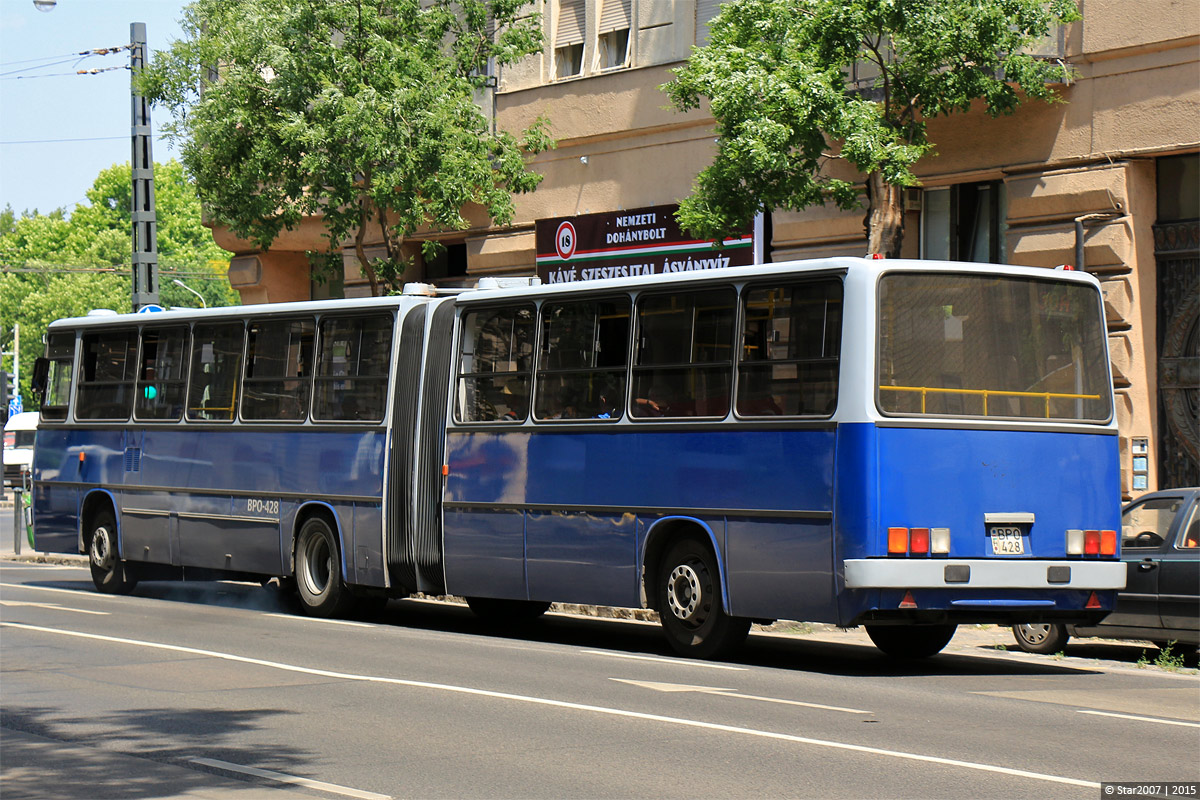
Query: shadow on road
[[824, 654]]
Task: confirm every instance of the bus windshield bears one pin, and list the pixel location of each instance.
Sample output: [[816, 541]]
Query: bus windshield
[[963, 345]]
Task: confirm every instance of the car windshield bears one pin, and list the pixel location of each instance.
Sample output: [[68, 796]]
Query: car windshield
[[1147, 524]]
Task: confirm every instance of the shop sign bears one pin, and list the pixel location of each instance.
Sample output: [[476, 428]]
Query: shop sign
[[622, 244]]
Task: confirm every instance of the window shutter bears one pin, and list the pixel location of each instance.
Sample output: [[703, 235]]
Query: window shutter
[[570, 23], [705, 11], [616, 15]]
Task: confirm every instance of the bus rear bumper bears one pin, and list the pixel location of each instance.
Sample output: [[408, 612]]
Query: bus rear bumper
[[885, 573]]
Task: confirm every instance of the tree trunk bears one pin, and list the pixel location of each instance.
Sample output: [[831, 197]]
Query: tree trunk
[[885, 217]]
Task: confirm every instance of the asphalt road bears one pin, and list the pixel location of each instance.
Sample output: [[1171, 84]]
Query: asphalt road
[[185, 690]]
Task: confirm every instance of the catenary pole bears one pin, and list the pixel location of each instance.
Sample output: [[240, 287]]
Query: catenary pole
[[145, 220]]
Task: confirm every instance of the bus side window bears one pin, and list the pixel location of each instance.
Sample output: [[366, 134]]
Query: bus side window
[[494, 365], [105, 387], [352, 368], [790, 347], [216, 364], [278, 380], [683, 363], [162, 374], [581, 364], [60, 354]]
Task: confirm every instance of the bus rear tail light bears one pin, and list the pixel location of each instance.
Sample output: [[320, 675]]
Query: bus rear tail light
[[1091, 543], [1108, 543], [939, 540], [1074, 543], [918, 540], [897, 541]]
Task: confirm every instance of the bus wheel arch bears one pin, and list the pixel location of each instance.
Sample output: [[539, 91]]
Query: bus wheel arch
[[684, 576], [317, 563], [110, 574]]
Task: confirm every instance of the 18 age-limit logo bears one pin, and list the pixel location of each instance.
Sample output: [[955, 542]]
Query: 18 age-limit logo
[[564, 240]]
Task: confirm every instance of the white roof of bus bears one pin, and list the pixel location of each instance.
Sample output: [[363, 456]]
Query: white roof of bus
[[864, 267]]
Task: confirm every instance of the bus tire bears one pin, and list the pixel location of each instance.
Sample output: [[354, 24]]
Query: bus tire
[[110, 574], [318, 577], [507, 612], [690, 607], [1040, 637], [911, 641]]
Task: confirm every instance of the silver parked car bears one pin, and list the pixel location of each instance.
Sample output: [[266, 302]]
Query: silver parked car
[[1160, 542]]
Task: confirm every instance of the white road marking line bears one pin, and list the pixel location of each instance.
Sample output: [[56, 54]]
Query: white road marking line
[[322, 619], [680, 687], [680, 662], [76, 592], [1140, 719], [544, 701], [53, 606], [280, 777]]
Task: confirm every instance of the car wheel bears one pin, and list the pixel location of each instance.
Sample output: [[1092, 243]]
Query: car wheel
[[1041, 637]]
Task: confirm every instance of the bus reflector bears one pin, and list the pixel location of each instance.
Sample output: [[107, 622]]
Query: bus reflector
[[1108, 543], [939, 540], [1074, 543], [908, 601], [1093, 602], [1091, 543], [897, 541], [919, 540]]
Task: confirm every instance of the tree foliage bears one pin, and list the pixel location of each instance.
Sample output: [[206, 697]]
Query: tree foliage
[[362, 113], [776, 74], [50, 263]]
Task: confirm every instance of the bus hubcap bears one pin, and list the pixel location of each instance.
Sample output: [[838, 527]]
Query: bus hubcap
[[101, 549], [683, 591], [318, 565]]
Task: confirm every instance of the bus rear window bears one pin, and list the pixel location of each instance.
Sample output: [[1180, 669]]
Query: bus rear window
[[980, 346]]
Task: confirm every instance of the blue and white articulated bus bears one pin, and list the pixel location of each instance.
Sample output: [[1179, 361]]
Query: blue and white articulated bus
[[905, 445]]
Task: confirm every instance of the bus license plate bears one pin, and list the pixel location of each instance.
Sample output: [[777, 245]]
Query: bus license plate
[[1007, 541]]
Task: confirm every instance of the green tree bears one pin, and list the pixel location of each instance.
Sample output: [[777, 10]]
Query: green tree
[[776, 74], [54, 266], [362, 113]]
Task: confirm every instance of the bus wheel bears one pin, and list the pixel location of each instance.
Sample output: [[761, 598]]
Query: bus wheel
[[689, 603], [110, 574], [318, 578], [1040, 637], [911, 641], [510, 612]]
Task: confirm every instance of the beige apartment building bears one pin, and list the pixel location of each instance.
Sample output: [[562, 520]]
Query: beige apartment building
[[1112, 174]]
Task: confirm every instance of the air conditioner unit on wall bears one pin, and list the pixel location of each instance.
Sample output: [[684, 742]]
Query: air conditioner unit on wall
[[912, 199]]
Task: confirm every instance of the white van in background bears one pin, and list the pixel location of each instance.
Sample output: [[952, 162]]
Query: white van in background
[[19, 433]]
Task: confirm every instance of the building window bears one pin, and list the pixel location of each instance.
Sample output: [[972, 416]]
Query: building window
[[568, 39], [705, 11], [613, 46], [1178, 188], [963, 223]]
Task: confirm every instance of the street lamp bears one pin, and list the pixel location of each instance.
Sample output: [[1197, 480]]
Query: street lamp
[[183, 285]]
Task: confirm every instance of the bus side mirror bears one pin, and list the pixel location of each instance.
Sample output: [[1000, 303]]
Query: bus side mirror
[[41, 370]]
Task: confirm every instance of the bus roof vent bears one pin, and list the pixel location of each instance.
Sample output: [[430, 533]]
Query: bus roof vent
[[102, 312], [507, 283], [424, 289]]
